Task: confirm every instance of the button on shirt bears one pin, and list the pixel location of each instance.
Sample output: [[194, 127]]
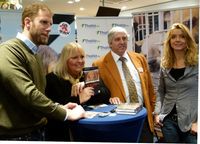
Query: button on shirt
[[134, 74]]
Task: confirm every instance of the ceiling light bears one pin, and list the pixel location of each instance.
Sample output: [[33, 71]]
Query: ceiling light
[[70, 2], [81, 9], [123, 8], [73, 1]]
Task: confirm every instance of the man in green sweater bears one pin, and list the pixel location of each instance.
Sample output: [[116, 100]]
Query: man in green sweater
[[23, 105]]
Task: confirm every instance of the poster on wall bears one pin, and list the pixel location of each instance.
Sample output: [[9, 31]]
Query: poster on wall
[[10, 24], [92, 34], [62, 31], [149, 30]]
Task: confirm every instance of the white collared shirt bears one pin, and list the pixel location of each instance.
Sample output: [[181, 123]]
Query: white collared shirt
[[134, 74]]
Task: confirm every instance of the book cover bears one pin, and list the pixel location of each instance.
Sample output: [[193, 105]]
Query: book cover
[[128, 108], [91, 78]]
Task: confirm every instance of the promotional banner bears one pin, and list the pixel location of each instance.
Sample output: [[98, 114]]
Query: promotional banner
[[92, 34], [62, 31]]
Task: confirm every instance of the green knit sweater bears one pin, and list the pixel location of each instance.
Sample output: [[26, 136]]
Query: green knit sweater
[[23, 105]]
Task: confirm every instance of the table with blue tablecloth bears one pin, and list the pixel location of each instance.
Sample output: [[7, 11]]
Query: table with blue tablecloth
[[110, 127]]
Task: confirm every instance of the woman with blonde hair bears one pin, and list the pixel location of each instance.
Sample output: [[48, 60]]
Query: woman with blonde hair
[[177, 100], [68, 71]]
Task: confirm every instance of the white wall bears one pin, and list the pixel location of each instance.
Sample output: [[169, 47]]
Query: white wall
[[175, 4]]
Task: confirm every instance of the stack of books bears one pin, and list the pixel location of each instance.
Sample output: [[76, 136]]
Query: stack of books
[[129, 108]]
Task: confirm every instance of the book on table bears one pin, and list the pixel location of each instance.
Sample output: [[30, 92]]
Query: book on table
[[91, 78], [129, 108]]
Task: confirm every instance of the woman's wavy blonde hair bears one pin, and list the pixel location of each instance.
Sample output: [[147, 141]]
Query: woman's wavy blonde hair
[[191, 52], [61, 68]]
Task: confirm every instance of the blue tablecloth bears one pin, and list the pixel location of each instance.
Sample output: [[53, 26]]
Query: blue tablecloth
[[112, 128]]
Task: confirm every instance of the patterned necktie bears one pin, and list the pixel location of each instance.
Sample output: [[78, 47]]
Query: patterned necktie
[[131, 85]]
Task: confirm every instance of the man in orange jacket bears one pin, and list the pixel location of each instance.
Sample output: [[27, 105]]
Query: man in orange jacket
[[110, 68]]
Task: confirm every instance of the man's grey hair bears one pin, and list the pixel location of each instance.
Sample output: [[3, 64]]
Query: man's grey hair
[[114, 30]]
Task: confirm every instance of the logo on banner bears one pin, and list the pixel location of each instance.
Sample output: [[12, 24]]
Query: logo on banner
[[103, 47], [92, 56], [90, 41], [89, 26], [64, 29], [102, 32], [120, 25]]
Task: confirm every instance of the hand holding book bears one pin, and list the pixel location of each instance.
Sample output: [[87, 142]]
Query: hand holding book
[[91, 76], [86, 94], [83, 92], [89, 87], [77, 88]]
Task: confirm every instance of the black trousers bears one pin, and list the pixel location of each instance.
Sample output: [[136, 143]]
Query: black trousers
[[36, 135], [146, 134]]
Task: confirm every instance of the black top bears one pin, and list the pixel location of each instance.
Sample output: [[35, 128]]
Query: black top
[[177, 73], [59, 90]]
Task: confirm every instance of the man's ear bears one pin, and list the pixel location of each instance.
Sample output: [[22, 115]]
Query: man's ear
[[27, 22]]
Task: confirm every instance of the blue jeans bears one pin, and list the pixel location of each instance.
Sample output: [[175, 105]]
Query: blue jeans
[[173, 134]]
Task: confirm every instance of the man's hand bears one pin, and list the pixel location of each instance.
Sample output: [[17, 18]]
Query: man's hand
[[74, 111], [70, 105], [115, 100]]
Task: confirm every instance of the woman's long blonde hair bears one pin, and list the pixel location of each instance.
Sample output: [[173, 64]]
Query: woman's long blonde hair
[[68, 51], [191, 52]]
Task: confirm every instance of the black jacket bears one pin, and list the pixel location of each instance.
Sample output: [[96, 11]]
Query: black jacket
[[59, 90]]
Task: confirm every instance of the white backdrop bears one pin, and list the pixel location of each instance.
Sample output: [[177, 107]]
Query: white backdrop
[[92, 34]]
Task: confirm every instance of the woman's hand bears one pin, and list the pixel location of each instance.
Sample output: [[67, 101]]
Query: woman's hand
[[115, 100], [157, 120], [77, 89], [86, 94], [193, 129]]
